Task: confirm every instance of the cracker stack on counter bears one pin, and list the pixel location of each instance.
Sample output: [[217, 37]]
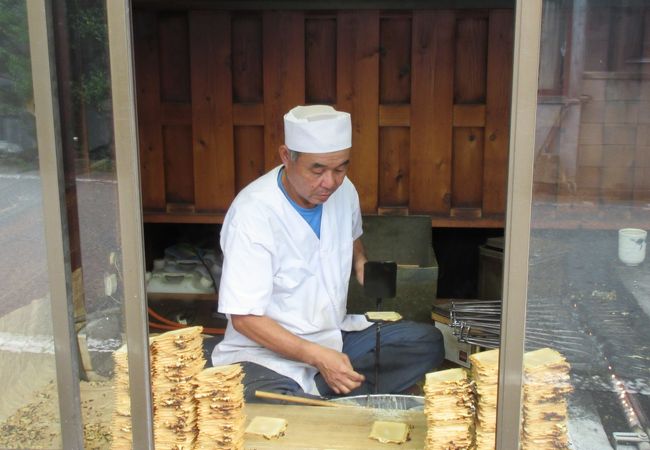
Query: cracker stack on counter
[[176, 358], [546, 385], [121, 420], [449, 409], [220, 408], [485, 372]]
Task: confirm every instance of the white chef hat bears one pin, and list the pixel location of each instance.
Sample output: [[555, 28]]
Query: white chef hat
[[317, 129]]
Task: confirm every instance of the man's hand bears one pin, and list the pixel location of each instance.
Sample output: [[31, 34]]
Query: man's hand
[[336, 370], [334, 366]]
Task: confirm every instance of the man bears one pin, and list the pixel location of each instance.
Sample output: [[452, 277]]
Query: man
[[290, 241]]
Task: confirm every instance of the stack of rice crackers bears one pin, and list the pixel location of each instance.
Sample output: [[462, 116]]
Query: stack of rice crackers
[[449, 409], [121, 420], [176, 359], [193, 408], [220, 408], [546, 386], [485, 373]]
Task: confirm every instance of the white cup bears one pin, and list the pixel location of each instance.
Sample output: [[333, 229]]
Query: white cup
[[631, 246]]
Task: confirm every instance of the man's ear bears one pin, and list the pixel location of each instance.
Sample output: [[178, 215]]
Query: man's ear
[[283, 151]]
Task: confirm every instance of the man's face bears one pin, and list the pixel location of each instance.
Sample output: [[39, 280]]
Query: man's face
[[313, 177]]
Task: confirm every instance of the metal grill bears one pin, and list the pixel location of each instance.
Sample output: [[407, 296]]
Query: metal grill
[[477, 322]]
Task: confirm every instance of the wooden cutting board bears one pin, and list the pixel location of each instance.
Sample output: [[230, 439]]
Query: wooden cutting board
[[317, 427]]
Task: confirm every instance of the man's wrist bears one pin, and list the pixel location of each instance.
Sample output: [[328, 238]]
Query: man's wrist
[[307, 352]]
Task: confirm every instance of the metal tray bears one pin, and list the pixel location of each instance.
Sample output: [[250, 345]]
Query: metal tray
[[385, 401]]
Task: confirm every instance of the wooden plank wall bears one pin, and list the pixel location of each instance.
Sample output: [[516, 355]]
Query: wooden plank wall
[[429, 94]]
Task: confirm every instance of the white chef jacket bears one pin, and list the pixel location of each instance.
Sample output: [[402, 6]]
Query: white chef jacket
[[274, 265]]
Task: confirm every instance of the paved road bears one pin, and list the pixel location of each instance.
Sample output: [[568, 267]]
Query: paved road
[[23, 262], [22, 258]]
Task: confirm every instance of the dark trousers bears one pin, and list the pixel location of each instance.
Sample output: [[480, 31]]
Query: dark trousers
[[408, 351]]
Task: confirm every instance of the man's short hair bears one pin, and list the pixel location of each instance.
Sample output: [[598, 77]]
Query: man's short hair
[[293, 155]]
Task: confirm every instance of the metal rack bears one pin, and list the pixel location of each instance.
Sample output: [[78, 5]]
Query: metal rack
[[477, 322]]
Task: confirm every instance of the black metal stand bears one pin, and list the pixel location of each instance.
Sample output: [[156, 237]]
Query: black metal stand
[[377, 350], [377, 347]]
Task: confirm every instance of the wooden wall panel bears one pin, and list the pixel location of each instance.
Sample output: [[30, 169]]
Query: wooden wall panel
[[394, 111], [469, 115], [471, 60], [174, 57], [394, 143], [212, 110], [174, 113], [428, 91], [497, 114], [358, 84], [431, 111], [179, 164], [320, 60], [247, 58], [249, 155], [395, 115], [284, 81], [152, 170], [467, 169], [395, 60]]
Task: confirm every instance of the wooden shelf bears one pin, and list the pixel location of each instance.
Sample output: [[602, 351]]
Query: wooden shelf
[[462, 222], [496, 221], [162, 217], [164, 296]]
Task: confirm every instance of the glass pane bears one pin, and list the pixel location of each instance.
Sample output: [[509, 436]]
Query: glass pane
[[29, 411], [91, 192], [587, 361], [27, 365]]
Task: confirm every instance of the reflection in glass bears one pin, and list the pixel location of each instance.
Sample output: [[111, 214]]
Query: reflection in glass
[[591, 179], [29, 414], [83, 76]]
